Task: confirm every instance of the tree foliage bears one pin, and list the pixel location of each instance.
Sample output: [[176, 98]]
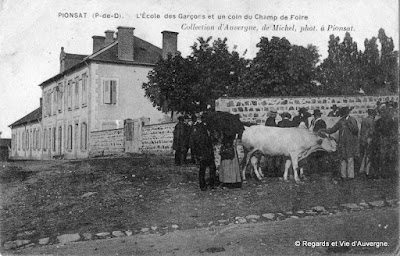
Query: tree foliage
[[346, 69], [280, 69], [188, 85]]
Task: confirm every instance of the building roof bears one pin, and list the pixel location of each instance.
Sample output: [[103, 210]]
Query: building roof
[[34, 116], [145, 54]]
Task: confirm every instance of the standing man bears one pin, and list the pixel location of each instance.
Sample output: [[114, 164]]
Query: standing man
[[271, 120], [301, 120], [347, 145], [179, 141], [286, 122], [202, 143], [317, 123], [366, 135], [334, 112], [273, 162]]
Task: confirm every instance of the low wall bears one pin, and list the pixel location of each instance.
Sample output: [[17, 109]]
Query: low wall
[[257, 109], [107, 142], [158, 138]]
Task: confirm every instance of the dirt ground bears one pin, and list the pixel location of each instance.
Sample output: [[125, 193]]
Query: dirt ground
[[49, 198]]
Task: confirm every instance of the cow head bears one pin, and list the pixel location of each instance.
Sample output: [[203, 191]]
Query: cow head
[[327, 144]]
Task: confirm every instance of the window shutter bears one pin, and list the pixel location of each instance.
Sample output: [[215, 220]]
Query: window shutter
[[113, 92], [107, 92]]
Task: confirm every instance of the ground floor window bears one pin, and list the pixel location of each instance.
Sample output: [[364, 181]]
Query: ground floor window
[[69, 137], [83, 136]]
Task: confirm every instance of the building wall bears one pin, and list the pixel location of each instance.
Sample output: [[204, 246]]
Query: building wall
[[257, 109], [64, 123], [130, 101], [26, 142]]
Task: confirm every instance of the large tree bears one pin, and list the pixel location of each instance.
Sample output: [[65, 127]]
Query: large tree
[[187, 85], [280, 69], [340, 73]]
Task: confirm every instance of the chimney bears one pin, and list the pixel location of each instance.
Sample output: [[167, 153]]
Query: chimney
[[62, 60], [169, 43], [109, 37], [125, 43], [98, 43]]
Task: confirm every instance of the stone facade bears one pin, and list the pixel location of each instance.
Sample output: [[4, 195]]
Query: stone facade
[[106, 143], [157, 139], [257, 109]]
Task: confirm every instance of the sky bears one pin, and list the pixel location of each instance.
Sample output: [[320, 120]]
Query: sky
[[33, 32]]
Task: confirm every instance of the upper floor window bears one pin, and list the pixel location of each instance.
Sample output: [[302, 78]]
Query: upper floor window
[[84, 89], [110, 91], [78, 83], [69, 94], [59, 97]]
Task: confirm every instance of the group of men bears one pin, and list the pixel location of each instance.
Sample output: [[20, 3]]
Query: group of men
[[375, 145]]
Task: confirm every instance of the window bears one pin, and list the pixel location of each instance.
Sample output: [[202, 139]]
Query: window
[[59, 96], [69, 137], [110, 92], [69, 95], [55, 95], [27, 140], [84, 89], [83, 136], [34, 139], [54, 139], [38, 138], [19, 140], [78, 83], [45, 139]]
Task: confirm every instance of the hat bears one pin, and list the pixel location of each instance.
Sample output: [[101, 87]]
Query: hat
[[334, 106], [286, 114], [181, 118], [344, 111], [273, 111], [317, 112], [303, 110]]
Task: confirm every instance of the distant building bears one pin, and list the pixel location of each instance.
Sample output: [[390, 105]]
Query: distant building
[[91, 93]]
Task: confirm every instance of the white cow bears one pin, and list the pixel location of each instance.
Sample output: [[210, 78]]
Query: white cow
[[294, 142]]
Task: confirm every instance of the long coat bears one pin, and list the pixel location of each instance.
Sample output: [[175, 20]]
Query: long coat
[[348, 137], [180, 137], [202, 142]]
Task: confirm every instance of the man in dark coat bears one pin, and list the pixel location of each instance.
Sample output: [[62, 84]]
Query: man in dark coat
[[179, 143], [273, 162], [202, 142], [301, 120], [366, 135], [348, 141], [285, 122], [334, 112], [317, 123], [384, 156], [271, 120]]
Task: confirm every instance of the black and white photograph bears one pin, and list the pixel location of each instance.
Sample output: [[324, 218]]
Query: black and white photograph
[[199, 127]]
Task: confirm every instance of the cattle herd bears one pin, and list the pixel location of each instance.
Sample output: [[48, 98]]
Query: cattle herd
[[291, 141]]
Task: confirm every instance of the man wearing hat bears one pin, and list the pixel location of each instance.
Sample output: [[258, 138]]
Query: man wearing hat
[[271, 118], [285, 122], [317, 123], [347, 144], [301, 120], [334, 112], [179, 143], [366, 135]]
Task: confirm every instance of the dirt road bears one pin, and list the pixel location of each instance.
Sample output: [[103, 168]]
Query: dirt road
[[267, 238]]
